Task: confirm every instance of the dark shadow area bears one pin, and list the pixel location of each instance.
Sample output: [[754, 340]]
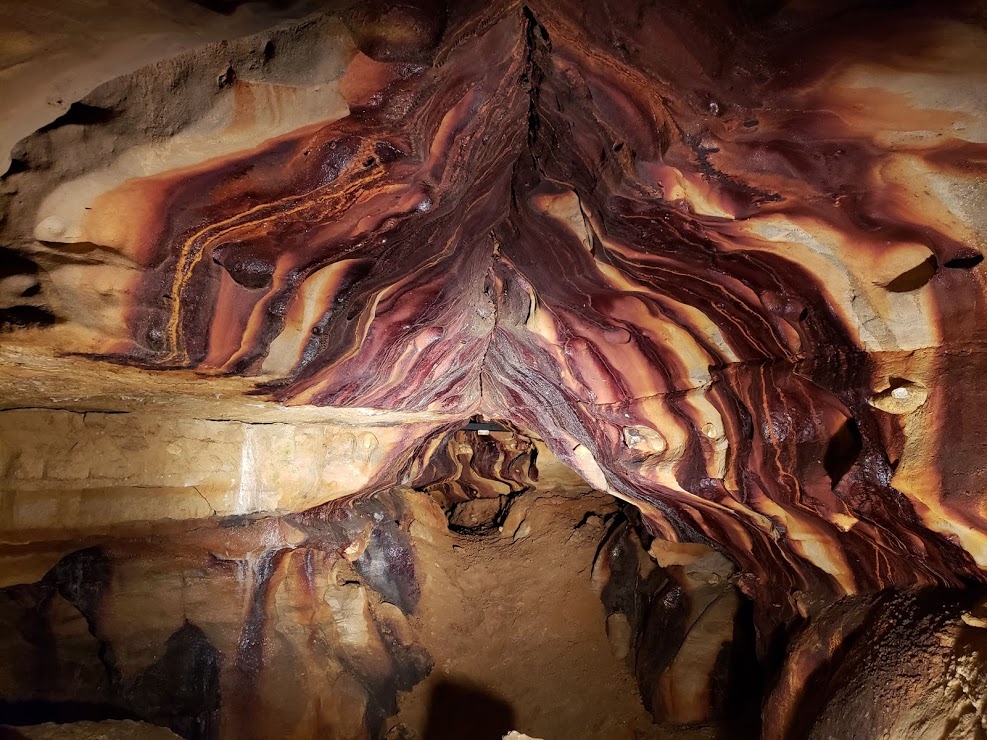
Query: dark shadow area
[[22, 317], [459, 711], [80, 114], [229, 7], [181, 689], [39, 711], [12, 263], [843, 450], [965, 262], [915, 278], [744, 692]]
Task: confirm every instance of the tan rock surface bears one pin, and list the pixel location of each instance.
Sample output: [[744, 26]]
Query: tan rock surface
[[271, 221], [55, 54], [106, 730], [270, 628], [893, 666], [262, 264]]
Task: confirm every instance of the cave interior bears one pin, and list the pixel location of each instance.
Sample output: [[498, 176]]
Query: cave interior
[[432, 370]]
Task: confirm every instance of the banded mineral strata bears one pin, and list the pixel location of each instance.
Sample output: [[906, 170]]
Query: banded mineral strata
[[713, 268]]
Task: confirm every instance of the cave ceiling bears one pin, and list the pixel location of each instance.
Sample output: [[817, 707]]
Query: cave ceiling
[[722, 259]]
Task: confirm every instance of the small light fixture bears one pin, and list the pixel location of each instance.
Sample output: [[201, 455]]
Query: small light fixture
[[483, 428]]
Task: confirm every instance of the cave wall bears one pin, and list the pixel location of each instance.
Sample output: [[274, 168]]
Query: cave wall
[[378, 619], [889, 665], [702, 272], [270, 628], [261, 262]]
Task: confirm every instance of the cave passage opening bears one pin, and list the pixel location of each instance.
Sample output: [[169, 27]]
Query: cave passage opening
[[548, 604]]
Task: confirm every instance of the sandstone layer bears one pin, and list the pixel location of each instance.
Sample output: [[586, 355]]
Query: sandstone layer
[[353, 622], [702, 272], [265, 267]]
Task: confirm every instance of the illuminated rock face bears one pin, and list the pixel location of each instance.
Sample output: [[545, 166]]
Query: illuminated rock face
[[723, 262], [347, 622], [671, 243]]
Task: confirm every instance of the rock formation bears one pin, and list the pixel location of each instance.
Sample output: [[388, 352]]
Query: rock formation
[[301, 298]]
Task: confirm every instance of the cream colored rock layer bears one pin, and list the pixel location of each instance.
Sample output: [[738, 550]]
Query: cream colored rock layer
[[89, 446], [55, 53]]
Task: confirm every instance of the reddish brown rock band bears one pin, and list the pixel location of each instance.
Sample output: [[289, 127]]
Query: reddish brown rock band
[[498, 228]]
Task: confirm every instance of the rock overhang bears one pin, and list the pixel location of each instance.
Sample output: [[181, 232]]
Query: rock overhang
[[699, 253]]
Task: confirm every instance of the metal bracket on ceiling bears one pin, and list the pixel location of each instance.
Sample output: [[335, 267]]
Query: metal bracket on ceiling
[[485, 427]]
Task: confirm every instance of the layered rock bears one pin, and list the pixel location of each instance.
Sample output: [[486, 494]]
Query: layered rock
[[711, 283], [722, 262]]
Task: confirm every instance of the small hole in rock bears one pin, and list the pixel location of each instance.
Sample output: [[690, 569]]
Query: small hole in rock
[[965, 262], [227, 78], [843, 450], [914, 278]]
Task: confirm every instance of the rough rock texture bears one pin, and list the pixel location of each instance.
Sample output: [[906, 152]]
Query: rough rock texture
[[699, 270], [312, 625], [52, 53], [722, 260], [259, 629], [106, 730], [886, 666], [516, 610]]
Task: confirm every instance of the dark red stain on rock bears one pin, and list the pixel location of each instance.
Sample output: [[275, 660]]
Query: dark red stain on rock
[[499, 231]]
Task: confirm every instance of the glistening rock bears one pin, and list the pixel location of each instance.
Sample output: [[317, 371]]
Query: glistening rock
[[723, 261]]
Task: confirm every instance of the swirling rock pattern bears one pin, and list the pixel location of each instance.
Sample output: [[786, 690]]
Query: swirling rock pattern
[[719, 259]]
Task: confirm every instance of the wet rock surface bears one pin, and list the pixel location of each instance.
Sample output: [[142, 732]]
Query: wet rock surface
[[260, 629], [560, 621]]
